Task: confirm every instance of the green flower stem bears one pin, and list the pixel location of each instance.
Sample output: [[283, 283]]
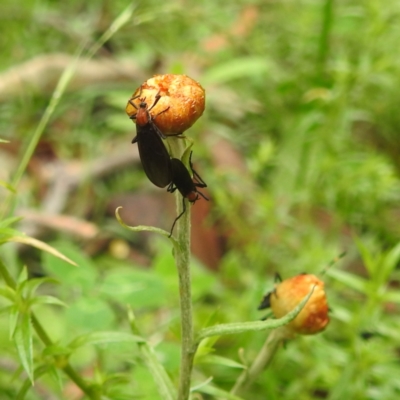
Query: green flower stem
[[181, 243], [262, 361], [269, 349], [241, 327], [182, 260], [67, 368]]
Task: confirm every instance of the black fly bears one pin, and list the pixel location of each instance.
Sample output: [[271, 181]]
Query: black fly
[[153, 154], [186, 186]]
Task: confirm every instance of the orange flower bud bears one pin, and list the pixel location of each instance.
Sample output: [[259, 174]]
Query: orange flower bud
[[313, 318], [182, 102]]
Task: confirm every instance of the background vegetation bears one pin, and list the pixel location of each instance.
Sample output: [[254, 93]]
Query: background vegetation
[[299, 146]]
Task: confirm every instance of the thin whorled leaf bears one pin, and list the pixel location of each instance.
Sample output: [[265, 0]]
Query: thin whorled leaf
[[6, 233], [116, 379], [23, 390], [17, 374], [6, 310], [23, 276], [239, 68], [160, 376], [56, 377], [41, 246], [200, 385], [8, 293], [202, 350], [367, 257], [9, 221], [207, 345], [218, 360], [163, 382], [47, 300], [23, 342], [218, 393], [104, 338], [350, 280], [390, 261], [56, 350], [8, 187], [32, 284], [14, 315], [27, 384], [391, 296]]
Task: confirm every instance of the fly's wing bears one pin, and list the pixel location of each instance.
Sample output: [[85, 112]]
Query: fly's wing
[[154, 156], [181, 177]]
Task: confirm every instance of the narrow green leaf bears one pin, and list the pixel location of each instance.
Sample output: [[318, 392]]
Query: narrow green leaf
[[23, 342], [207, 346], [8, 186], [8, 293], [391, 296], [116, 379], [83, 278], [6, 233], [56, 350], [14, 315], [16, 376], [117, 24], [9, 221], [366, 256], [350, 280], [218, 360], [200, 385], [56, 377], [6, 310], [23, 276], [32, 284], [203, 349], [41, 246], [238, 68], [218, 393], [163, 382], [104, 338], [390, 261], [186, 154], [23, 390], [47, 300], [27, 384]]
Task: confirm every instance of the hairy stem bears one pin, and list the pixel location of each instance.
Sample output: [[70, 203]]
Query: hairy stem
[[262, 361], [182, 260]]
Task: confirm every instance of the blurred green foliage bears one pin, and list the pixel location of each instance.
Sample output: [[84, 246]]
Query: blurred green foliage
[[307, 93]]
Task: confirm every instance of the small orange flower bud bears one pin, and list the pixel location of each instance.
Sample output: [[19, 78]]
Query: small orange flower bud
[[313, 318], [182, 102]]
